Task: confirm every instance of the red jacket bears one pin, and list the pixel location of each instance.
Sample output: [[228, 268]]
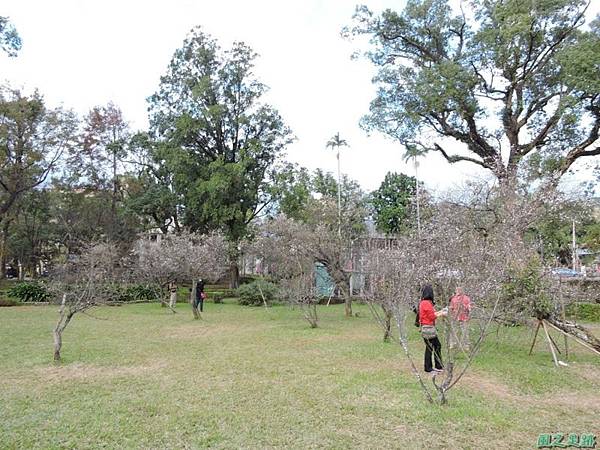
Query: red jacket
[[426, 313]]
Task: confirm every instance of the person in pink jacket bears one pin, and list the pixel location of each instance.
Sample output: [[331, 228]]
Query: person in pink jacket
[[460, 312]]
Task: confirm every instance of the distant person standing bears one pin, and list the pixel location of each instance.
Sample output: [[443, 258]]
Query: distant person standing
[[172, 294], [460, 311], [427, 317], [200, 295]]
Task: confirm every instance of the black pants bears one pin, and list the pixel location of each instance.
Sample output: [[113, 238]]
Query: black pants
[[433, 345], [199, 303]]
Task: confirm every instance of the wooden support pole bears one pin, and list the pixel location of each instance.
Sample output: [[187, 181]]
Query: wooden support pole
[[550, 343], [575, 338], [554, 343], [537, 329]]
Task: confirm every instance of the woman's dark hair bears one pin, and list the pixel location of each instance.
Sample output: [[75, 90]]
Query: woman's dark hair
[[427, 292]]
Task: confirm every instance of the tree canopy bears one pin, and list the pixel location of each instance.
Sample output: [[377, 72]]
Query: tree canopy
[[507, 85], [32, 139], [216, 137]]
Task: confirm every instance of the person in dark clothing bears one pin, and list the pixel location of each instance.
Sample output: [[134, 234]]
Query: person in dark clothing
[[200, 295], [427, 317]]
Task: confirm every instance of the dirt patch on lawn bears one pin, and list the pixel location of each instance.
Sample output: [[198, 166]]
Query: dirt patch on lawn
[[487, 385], [82, 372], [56, 374]]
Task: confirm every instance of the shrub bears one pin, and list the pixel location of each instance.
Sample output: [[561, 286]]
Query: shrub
[[587, 312], [138, 293], [217, 297], [30, 292], [250, 294], [526, 290], [131, 293]]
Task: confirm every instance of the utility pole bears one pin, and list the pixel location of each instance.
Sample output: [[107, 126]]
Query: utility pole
[[339, 193], [416, 163], [574, 249]]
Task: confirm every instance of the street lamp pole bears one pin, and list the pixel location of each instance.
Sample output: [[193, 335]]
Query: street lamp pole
[[417, 193]]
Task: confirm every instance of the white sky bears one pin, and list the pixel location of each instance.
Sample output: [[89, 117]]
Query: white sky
[[82, 53]]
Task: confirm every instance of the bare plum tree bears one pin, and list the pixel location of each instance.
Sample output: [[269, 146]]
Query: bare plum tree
[[205, 256], [182, 256], [287, 248], [332, 246], [156, 265], [88, 281], [451, 250]]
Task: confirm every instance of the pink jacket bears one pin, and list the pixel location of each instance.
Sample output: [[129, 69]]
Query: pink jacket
[[460, 307]]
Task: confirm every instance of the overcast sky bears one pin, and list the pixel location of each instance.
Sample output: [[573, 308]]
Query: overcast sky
[[81, 53]]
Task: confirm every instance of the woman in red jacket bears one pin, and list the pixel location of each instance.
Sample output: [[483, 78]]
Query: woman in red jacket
[[427, 316]]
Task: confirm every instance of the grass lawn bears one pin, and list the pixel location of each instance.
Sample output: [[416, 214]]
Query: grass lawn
[[139, 377]]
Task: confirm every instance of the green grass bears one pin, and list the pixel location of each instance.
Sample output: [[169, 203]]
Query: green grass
[[261, 378]]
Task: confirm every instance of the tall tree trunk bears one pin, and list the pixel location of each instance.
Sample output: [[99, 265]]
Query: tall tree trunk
[[193, 300], [387, 332], [234, 275], [3, 245], [234, 270]]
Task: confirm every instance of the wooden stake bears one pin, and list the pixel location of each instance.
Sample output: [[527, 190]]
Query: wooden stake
[[550, 343], [535, 336], [555, 346]]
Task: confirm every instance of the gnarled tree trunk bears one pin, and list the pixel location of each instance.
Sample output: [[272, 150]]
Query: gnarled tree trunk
[[342, 281], [234, 275], [65, 317], [3, 245], [195, 311]]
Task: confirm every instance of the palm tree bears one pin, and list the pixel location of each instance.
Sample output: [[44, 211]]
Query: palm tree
[[412, 152], [336, 142]]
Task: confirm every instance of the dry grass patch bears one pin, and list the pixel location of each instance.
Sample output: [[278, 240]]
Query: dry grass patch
[[85, 372]]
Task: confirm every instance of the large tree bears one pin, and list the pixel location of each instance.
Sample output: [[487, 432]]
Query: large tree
[[31, 232], [149, 191], [32, 140], [504, 85], [98, 162], [219, 140], [394, 203]]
